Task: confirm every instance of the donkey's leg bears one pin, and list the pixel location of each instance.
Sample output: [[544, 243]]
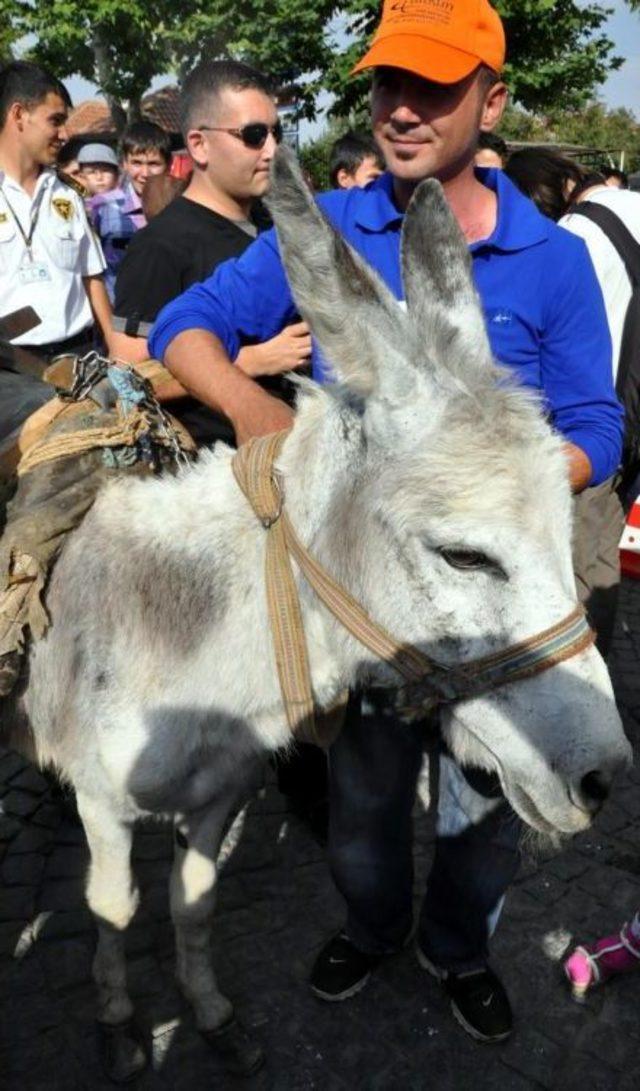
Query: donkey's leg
[[193, 880], [113, 899]]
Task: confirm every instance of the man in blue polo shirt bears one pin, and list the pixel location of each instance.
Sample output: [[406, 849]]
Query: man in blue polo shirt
[[435, 86]]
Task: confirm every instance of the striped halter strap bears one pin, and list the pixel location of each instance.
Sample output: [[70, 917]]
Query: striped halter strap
[[428, 682]]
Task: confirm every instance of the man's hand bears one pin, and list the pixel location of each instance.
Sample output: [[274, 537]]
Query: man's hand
[[580, 468], [289, 350]]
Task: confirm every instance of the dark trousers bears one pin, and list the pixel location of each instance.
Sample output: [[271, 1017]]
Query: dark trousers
[[20, 396], [598, 523], [22, 393], [302, 776], [374, 769]]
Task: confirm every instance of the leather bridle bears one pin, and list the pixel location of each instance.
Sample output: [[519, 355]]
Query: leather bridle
[[253, 466]]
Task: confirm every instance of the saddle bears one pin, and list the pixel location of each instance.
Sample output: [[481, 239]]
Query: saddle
[[103, 422]]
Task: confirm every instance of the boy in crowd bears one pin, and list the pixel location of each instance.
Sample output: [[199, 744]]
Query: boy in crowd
[[117, 212], [491, 152], [145, 151], [355, 160]]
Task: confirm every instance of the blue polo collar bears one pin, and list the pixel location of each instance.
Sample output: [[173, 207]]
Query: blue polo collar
[[519, 223], [377, 209]]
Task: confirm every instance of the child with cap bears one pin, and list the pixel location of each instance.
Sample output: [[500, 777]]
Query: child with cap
[[99, 168], [109, 206]]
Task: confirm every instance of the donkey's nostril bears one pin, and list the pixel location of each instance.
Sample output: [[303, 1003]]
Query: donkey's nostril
[[594, 788]]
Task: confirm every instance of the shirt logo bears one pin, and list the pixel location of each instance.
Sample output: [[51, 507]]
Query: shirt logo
[[502, 318], [3, 217], [63, 207]]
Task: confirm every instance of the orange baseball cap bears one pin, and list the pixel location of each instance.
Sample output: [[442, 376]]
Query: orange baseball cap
[[440, 40]]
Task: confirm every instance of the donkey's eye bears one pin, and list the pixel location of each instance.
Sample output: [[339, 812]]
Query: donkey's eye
[[467, 558]]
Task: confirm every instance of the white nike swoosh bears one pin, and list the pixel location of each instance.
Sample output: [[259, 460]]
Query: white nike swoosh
[[485, 1003]]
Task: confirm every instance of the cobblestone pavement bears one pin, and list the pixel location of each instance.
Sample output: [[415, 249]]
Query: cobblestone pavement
[[276, 906]]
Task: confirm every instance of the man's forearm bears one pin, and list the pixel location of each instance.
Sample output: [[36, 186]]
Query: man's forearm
[[580, 468], [100, 306], [198, 360], [133, 350]]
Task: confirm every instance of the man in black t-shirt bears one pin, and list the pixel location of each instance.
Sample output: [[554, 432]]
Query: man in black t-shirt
[[231, 128]]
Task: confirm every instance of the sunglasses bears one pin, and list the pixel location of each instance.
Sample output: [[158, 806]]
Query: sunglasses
[[254, 135]]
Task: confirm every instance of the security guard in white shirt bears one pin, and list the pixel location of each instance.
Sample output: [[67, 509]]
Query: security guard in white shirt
[[49, 257]]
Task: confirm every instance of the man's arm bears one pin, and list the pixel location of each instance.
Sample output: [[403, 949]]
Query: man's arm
[[576, 367], [100, 307], [224, 387], [200, 333]]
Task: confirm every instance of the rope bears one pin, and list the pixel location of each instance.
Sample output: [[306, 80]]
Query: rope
[[253, 469], [253, 466], [74, 443]]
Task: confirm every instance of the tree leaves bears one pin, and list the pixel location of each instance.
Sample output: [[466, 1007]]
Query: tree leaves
[[593, 126], [558, 49]]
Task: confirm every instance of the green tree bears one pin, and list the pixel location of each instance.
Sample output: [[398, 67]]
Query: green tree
[[118, 44], [596, 127], [558, 51], [314, 157], [121, 45]]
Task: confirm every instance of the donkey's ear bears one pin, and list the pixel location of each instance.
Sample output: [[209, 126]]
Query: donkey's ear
[[352, 314], [442, 301]]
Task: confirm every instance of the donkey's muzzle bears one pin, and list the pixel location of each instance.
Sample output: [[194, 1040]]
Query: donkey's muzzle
[[595, 787], [592, 790]]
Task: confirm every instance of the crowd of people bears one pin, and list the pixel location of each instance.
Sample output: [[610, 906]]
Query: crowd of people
[[110, 251]]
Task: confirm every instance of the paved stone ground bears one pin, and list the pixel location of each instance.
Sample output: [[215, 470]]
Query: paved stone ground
[[276, 906]]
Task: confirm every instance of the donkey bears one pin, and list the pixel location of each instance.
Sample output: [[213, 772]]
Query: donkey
[[427, 483]]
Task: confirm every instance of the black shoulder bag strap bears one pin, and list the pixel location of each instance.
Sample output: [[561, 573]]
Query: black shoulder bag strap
[[628, 377], [629, 252]]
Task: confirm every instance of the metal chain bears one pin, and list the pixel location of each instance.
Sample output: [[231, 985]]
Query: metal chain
[[88, 371], [92, 368], [163, 427]]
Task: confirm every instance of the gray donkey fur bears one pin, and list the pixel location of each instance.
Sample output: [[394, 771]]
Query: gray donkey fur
[[423, 480]]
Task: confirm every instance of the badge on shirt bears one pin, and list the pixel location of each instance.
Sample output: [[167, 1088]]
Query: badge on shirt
[[33, 272], [63, 207], [4, 217]]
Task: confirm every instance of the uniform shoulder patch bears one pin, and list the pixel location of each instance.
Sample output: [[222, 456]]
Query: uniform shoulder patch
[[73, 183], [63, 206]]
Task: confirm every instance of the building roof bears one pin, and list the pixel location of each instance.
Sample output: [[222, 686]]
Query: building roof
[[162, 107], [588, 155], [94, 115]]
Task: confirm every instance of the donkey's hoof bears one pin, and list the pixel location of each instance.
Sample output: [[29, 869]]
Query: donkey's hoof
[[235, 1048], [121, 1052]]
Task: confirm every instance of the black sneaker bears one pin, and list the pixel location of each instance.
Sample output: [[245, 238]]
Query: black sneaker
[[478, 1000], [341, 969]]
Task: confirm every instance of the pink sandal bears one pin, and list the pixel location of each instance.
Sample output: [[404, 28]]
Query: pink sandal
[[593, 963]]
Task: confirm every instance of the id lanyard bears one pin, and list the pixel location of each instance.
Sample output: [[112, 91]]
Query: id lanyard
[[35, 212]]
